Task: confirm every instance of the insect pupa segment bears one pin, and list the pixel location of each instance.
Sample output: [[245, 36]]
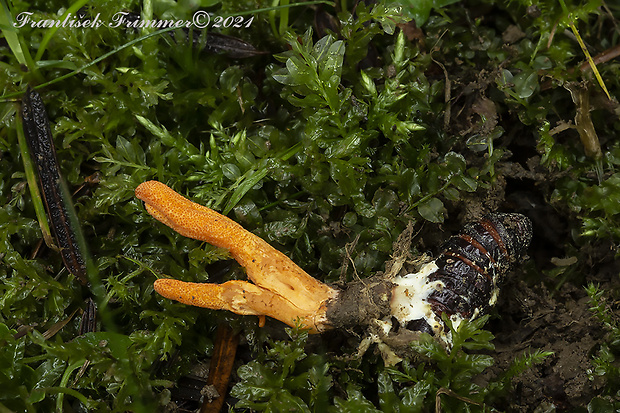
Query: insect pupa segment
[[464, 280]]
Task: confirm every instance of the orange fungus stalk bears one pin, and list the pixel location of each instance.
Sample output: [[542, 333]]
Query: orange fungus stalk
[[281, 289]]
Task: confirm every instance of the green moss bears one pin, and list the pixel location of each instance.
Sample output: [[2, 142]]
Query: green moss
[[331, 140]]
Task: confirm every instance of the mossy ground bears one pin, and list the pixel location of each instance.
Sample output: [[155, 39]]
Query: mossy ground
[[327, 146]]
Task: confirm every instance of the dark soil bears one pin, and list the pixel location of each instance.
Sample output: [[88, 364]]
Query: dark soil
[[535, 318], [539, 312]]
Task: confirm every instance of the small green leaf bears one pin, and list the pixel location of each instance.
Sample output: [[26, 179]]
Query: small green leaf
[[299, 73], [368, 83], [432, 210], [420, 10], [230, 78], [331, 66], [284, 401], [526, 83], [600, 405], [455, 162], [355, 403], [465, 183]]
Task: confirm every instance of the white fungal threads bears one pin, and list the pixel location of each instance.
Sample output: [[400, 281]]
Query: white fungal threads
[[494, 293], [409, 300], [410, 294]]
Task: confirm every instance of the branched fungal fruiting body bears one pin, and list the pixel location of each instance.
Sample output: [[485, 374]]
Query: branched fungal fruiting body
[[282, 290], [462, 282]]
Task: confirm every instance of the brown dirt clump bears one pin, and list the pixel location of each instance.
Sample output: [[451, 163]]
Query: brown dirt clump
[[534, 318]]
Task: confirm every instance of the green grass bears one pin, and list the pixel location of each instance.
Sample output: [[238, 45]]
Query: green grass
[[351, 135]]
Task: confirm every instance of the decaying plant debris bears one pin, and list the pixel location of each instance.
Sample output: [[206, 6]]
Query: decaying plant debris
[[57, 198]]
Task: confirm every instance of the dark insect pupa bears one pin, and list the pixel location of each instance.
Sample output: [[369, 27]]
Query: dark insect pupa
[[463, 281]]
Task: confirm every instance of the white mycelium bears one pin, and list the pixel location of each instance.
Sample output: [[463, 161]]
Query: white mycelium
[[409, 301], [410, 294]]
